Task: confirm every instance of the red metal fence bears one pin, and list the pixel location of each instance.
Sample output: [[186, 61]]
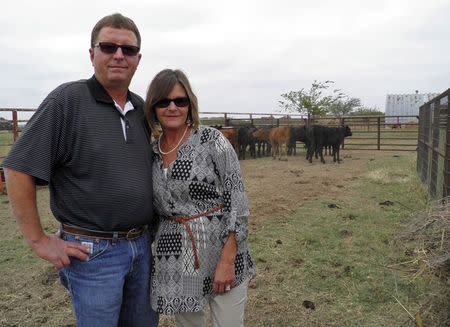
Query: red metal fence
[[15, 121], [383, 133], [12, 128], [380, 133]]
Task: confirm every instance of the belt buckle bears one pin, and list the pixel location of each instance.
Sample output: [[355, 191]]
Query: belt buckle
[[134, 233]]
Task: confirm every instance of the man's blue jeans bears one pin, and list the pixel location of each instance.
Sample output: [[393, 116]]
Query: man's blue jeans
[[112, 287]]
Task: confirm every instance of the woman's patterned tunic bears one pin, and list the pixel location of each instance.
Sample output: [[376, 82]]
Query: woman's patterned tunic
[[205, 174]]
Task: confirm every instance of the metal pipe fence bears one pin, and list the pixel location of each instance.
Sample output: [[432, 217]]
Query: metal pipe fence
[[9, 132], [369, 132], [372, 133]]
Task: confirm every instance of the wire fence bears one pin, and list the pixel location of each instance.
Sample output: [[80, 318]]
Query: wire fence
[[433, 155]]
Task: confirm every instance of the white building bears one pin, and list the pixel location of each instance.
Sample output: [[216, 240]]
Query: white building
[[405, 105]]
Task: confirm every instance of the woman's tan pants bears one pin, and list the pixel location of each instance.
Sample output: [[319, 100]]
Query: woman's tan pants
[[227, 310]]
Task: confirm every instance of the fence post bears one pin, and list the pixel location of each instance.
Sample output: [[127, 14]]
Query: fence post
[[15, 125], [251, 119], [378, 133], [225, 117], [2, 189], [342, 124], [446, 188]]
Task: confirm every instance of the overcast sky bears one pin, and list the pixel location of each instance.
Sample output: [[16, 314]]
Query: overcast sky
[[239, 55]]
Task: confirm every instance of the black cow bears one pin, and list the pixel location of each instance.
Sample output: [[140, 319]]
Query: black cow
[[245, 138], [322, 136], [297, 134]]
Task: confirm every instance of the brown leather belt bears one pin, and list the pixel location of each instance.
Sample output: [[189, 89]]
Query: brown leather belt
[[185, 220], [128, 235]]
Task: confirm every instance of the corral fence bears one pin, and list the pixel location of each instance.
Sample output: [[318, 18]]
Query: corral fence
[[384, 133], [378, 133], [9, 132], [433, 155]]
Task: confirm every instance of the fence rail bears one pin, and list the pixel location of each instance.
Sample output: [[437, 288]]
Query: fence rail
[[377, 133], [15, 120], [369, 132], [372, 133]]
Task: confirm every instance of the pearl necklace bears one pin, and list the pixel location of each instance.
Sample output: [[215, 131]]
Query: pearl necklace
[[176, 146]]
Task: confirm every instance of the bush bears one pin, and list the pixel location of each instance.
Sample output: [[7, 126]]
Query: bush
[[5, 124]]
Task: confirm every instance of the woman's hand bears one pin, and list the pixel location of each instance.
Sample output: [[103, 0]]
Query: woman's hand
[[224, 276]]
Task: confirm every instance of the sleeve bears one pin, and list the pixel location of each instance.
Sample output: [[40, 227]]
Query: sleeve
[[38, 149], [236, 209]]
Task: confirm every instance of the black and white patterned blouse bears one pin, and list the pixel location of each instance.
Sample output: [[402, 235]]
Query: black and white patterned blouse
[[205, 174]]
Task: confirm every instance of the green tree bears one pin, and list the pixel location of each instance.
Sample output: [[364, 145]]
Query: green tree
[[367, 111], [344, 106], [312, 102]]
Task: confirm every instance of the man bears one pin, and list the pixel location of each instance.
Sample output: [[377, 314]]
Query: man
[[88, 140]]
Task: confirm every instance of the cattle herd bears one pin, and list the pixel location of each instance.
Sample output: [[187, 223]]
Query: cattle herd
[[281, 141]]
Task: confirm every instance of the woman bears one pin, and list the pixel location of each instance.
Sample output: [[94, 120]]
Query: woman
[[201, 244]]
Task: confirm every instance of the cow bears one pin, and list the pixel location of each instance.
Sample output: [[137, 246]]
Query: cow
[[231, 134], [279, 140], [245, 138], [298, 133], [321, 136], [261, 136]]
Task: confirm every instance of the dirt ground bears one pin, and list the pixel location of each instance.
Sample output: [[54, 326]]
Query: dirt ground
[[276, 189]]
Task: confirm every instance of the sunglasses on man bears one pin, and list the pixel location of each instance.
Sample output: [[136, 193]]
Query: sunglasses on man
[[179, 102], [111, 48]]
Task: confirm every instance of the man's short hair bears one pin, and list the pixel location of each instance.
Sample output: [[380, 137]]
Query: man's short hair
[[115, 21]]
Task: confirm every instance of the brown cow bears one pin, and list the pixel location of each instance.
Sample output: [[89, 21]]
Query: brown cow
[[231, 134], [279, 140], [261, 136]]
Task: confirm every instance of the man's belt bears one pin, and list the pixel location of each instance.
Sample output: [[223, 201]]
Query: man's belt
[[128, 235]]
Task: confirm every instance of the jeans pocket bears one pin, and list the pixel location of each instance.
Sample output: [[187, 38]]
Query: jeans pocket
[[97, 246]]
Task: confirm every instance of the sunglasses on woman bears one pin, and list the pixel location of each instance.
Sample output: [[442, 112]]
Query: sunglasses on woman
[[179, 102], [111, 48]]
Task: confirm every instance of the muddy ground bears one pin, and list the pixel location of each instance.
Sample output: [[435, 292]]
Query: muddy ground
[[32, 295]]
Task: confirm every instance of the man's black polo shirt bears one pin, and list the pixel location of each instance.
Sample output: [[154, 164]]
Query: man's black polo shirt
[[75, 142]]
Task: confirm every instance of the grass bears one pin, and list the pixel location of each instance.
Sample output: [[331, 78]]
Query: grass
[[338, 253], [6, 139], [339, 258]]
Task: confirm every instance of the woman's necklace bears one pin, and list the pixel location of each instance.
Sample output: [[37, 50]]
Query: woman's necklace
[[176, 146]]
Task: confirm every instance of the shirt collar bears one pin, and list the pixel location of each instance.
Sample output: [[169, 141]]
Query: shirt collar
[[99, 93], [128, 107]]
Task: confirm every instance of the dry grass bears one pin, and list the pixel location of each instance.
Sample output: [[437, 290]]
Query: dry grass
[[427, 245], [304, 250]]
